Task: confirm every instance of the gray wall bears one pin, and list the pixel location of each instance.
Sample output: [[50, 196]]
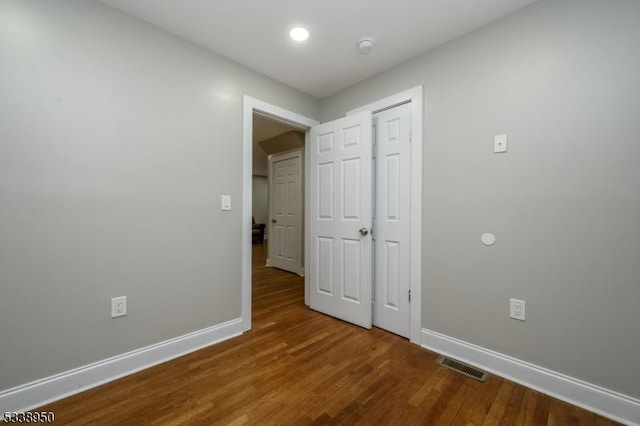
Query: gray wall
[[562, 79], [116, 142], [260, 203], [260, 161], [284, 142]]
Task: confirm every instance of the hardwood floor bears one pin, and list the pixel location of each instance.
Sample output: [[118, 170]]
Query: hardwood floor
[[300, 367]]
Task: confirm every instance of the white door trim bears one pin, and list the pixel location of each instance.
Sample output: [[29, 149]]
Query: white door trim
[[249, 106], [413, 95]]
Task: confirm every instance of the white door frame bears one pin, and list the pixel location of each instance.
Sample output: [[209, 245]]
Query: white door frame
[[249, 106], [413, 95]]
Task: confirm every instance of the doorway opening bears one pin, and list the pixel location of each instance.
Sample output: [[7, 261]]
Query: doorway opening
[[277, 201], [275, 117]]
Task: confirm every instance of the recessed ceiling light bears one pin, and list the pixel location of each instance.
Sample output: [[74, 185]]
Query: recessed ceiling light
[[299, 34]]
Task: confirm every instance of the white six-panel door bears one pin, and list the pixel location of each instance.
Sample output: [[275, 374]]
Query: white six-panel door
[[340, 216], [285, 199], [392, 224]]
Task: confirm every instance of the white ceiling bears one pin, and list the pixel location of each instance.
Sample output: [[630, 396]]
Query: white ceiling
[[255, 33]]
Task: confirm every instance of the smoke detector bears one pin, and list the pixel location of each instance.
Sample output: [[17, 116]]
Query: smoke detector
[[365, 46]]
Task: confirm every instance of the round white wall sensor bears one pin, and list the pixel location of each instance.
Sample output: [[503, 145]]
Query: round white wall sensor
[[488, 239], [365, 46]]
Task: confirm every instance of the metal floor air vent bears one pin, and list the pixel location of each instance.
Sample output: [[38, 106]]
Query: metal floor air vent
[[461, 367]]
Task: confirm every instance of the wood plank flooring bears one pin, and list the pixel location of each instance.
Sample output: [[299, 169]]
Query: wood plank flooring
[[300, 367]]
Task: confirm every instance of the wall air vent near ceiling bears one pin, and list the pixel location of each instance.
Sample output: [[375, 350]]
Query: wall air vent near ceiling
[[461, 367]]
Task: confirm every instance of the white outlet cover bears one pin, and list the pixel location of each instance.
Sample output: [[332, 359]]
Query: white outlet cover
[[517, 309], [118, 306]]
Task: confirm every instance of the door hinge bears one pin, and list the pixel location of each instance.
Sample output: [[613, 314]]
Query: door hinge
[[409, 295]]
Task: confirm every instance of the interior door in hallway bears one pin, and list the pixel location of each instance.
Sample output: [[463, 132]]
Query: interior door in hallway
[[392, 224], [340, 214], [285, 218]]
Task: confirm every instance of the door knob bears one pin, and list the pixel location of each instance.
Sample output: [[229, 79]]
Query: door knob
[[364, 231], [273, 221]]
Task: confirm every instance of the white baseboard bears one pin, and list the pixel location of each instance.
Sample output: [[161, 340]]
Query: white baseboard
[[43, 391], [605, 402]]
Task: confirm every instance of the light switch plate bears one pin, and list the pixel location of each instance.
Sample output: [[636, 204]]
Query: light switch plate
[[225, 202], [500, 143]]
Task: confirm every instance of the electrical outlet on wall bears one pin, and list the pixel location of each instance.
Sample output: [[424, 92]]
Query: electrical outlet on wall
[[118, 306], [516, 309]]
